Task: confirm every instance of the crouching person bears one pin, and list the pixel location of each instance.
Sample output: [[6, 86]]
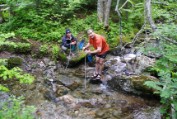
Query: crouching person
[[69, 42]]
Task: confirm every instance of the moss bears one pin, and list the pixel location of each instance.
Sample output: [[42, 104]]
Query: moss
[[15, 47], [23, 48], [14, 61], [62, 56], [6, 47], [79, 56], [138, 82], [43, 50]]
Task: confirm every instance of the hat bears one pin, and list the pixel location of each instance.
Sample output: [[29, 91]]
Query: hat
[[68, 31]]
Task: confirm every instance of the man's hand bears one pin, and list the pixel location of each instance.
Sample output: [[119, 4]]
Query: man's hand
[[72, 43], [87, 51], [83, 49]]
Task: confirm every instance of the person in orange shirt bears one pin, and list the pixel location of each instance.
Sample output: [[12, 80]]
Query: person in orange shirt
[[101, 50]]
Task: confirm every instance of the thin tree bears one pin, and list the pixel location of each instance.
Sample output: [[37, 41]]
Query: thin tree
[[103, 11], [148, 14]]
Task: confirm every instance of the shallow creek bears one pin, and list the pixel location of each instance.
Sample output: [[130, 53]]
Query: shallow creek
[[60, 93], [95, 101]]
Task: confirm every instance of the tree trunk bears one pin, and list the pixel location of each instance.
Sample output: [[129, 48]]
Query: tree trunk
[[1, 17], [100, 10], [103, 11], [148, 14], [107, 12]]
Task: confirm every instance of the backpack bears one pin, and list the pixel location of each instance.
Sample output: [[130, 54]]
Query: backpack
[[81, 44]]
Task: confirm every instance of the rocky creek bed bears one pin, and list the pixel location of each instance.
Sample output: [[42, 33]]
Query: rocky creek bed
[[60, 93]]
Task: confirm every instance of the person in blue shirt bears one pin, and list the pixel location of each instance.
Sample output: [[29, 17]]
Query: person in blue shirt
[[69, 41]]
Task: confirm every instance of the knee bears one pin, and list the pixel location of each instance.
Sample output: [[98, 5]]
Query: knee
[[97, 62], [63, 48], [101, 63]]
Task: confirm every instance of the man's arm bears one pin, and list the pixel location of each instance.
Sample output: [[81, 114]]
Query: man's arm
[[86, 47], [96, 51], [74, 40]]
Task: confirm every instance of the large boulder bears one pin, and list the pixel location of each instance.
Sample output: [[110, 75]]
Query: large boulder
[[132, 84]]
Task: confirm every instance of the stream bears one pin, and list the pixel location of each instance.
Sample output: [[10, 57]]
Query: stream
[[60, 93]]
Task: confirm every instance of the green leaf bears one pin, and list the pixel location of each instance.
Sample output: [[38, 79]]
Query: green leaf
[[3, 88], [153, 84], [165, 94]]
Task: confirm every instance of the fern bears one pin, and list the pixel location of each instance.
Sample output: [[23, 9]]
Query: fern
[[167, 71]]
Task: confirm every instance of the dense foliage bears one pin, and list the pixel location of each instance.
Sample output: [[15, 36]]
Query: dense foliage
[[166, 68]]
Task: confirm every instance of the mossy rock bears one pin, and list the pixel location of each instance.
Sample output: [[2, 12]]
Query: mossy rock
[[6, 47], [14, 62], [15, 47], [138, 83], [73, 60], [23, 48]]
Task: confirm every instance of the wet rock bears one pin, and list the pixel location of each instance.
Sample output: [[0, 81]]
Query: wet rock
[[86, 104], [148, 114], [75, 103], [49, 95], [41, 64], [128, 57], [107, 106], [115, 66], [46, 60], [97, 91], [138, 83], [100, 114], [117, 113], [72, 61], [67, 99], [51, 63], [3, 98], [95, 81], [61, 90], [129, 64], [132, 84], [68, 82]]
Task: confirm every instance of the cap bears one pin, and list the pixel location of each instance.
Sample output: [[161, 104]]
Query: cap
[[68, 31]]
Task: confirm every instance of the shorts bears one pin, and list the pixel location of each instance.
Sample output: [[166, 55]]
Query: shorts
[[103, 56]]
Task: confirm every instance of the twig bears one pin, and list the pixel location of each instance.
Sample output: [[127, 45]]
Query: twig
[[170, 40], [162, 3], [123, 5]]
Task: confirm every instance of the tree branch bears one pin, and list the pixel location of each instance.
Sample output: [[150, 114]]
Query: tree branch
[[120, 21], [123, 5], [170, 40], [162, 3]]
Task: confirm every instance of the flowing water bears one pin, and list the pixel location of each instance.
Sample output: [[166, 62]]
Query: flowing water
[[67, 97]]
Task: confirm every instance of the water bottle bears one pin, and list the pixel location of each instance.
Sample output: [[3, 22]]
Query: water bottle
[[89, 57]]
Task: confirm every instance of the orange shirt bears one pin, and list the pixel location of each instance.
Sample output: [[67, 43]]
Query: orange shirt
[[99, 41]]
